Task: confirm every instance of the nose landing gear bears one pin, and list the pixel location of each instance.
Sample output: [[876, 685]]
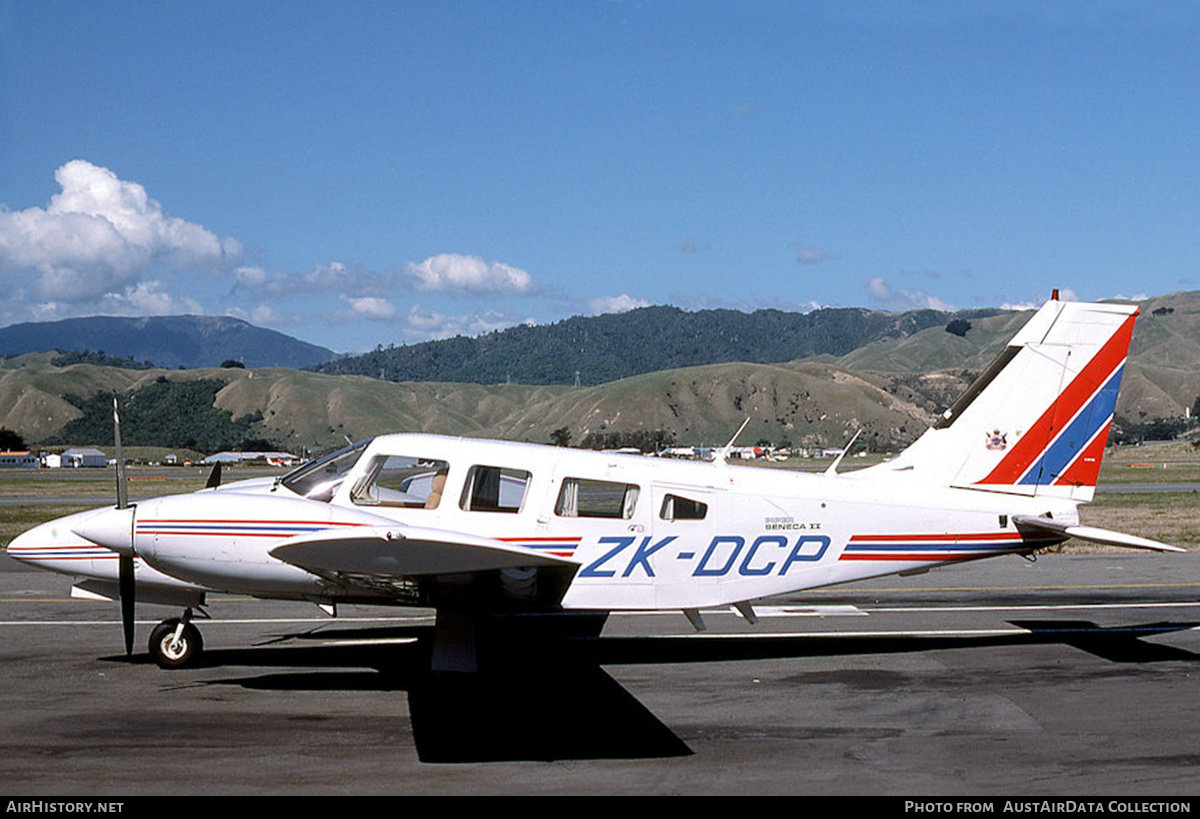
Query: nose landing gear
[[176, 643]]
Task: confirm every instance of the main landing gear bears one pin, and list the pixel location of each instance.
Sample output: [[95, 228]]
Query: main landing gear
[[176, 643]]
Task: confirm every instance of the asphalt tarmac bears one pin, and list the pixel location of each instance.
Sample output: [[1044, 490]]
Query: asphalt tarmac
[[1075, 676]]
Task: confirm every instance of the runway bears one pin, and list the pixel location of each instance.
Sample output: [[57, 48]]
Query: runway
[[1073, 676]]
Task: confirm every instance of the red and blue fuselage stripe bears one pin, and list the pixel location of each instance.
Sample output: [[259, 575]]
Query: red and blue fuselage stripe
[[237, 528], [82, 552], [945, 547], [557, 546]]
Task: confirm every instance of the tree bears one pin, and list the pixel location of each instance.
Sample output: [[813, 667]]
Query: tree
[[958, 327], [561, 437], [11, 441], [163, 413]]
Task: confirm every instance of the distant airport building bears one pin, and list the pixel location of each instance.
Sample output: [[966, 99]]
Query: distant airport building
[[273, 458], [18, 460], [696, 453], [84, 458]]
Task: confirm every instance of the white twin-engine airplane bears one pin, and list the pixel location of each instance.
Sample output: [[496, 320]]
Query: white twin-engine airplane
[[475, 528]]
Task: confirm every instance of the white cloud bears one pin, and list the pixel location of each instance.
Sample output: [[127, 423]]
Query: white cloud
[[809, 255], [422, 324], [615, 304], [455, 273], [1064, 294], [889, 298], [373, 296], [250, 276], [335, 277], [100, 236], [149, 299], [449, 273], [264, 314], [371, 307]]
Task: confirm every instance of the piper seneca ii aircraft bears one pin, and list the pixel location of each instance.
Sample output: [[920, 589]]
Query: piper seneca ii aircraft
[[476, 528]]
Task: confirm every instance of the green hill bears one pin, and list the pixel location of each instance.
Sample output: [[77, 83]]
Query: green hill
[[802, 402], [599, 349], [889, 389], [1162, 378], [168, 341]]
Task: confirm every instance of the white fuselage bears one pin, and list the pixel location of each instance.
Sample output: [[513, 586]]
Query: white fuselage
[[638, 532]]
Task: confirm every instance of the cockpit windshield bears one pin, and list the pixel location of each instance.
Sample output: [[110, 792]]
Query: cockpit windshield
[[319, 480]]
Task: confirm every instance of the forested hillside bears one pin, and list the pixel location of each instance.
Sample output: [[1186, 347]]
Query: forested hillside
[[599, 349], [179, 414]]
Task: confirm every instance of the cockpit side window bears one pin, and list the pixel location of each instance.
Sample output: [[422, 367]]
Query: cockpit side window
[[583, 498], [402, 480], [677, 507], [319, 480], [494, 489]]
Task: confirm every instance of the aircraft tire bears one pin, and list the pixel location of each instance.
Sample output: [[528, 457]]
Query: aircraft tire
[[185, 654]]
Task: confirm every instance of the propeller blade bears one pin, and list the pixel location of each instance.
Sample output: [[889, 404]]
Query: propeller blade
[[214, 477], [122, 486], [126, 584], [128, 589]]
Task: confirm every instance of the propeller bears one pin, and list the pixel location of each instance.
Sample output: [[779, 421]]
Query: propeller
[[126, 584], [214, 477]]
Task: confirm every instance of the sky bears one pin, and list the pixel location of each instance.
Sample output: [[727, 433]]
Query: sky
[[359, 173]]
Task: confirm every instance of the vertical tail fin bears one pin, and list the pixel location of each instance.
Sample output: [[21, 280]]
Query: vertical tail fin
[[1036, 421]]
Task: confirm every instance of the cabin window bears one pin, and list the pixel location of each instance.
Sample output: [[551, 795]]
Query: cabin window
[[582, 498], [494, 489], [676, 507], [402, 480], [319, 480]]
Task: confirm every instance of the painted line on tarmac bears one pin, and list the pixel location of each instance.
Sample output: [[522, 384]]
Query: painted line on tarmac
[[235, 622], [865, 611], [1059, 587], [1034, 607], [761, 612], [842, 635]]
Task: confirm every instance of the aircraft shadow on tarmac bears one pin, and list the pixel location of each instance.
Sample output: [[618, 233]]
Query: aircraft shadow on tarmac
[[507, 711]]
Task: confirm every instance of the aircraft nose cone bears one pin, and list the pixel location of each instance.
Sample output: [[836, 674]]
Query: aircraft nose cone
[[112, 529], [27, 545]]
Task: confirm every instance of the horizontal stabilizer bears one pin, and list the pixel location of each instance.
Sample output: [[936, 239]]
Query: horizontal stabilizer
[[1093, 534], [395, 551]]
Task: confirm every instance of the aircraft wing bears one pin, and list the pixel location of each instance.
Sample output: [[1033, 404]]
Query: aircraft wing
[[393, 551], [1092, 533]]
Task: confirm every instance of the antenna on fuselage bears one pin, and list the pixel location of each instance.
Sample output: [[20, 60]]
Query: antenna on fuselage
[[722, 454], [832, 470]]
